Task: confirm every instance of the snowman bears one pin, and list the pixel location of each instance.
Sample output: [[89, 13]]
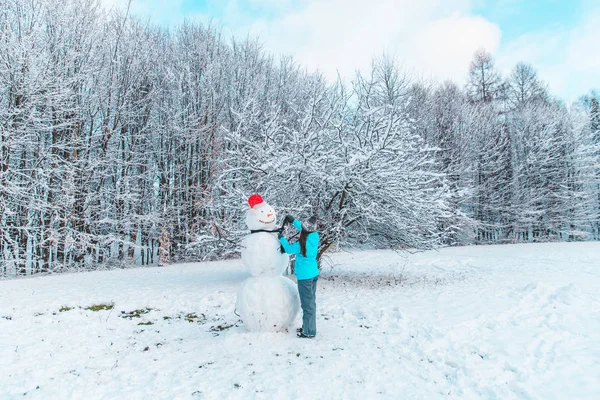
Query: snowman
[[266, 301]]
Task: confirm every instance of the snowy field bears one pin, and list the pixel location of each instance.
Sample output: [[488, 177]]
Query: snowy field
[[494, 322]]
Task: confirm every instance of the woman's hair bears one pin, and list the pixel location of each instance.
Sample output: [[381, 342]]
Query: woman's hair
[[302, 241], [308, 227]]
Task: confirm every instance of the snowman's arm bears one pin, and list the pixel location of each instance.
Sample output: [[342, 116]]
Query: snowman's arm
[[297, 224], [290, 248]]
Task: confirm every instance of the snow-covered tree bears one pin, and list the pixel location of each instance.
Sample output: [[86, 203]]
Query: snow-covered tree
[[358, 167], [124, 142], [485, 83], [524, 87]]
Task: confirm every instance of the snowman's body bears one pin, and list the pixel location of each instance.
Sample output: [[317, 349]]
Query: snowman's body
[[266, 301], [261, 255]]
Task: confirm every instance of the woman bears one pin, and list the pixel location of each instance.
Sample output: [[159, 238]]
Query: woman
[[306, 270]]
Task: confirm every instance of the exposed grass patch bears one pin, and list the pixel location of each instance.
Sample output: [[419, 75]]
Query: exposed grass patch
[[378, 281], [65, 308], [220, 328], [135, 313], [193, 317], [189, 317], [146, 323], [100, 307]]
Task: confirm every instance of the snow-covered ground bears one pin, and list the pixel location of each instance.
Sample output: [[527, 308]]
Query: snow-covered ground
[[494, 322]]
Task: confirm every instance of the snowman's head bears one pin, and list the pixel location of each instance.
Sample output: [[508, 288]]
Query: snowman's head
[[260, 215]]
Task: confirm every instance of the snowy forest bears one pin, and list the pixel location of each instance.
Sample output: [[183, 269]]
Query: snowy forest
[[124, 142]]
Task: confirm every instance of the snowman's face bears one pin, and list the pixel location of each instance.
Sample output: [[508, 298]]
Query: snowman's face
[[261, 216]]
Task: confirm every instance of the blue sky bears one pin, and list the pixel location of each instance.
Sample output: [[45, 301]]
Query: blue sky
[[519, 17], [434, 39]]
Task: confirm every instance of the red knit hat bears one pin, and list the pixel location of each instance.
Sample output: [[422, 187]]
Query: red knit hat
[[254, 200]]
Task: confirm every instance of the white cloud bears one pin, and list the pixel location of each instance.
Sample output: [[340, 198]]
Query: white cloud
[[566, 58], [434, 38], [431, 38], [582, 52], [445, 47]]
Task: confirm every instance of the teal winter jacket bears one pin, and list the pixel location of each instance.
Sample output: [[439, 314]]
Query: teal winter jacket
[[305, 267]]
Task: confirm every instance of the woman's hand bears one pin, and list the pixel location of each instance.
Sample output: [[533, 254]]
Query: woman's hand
[[279, 235]]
